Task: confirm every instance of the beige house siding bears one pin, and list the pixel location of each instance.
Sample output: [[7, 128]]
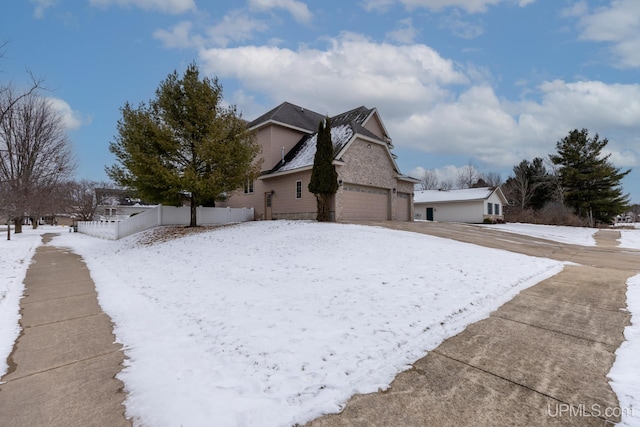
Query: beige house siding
[[374, 126], [272, 139], [285, 205], [241, 200]]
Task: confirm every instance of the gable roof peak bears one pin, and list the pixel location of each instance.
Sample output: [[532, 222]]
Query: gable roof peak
[[291, 115]]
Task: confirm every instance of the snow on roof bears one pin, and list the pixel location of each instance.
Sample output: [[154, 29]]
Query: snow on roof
[[431, 196], [340, 135]]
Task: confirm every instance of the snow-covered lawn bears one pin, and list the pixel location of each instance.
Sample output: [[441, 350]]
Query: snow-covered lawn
[[625, 372], [275, 323], [630, 238], [572, 235], [558, 233]]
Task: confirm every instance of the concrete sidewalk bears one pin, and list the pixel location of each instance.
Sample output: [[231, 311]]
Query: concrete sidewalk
[[63, 366], [539, 360]]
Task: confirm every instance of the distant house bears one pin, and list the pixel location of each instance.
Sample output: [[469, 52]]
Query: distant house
[[115, 204], [371, 186], [471, 205], [626, 218]]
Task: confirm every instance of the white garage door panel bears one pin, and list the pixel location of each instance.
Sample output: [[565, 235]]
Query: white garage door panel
[[365, 203]]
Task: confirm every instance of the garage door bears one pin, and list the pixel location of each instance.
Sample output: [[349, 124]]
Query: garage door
[[361, 202], [403, 207]]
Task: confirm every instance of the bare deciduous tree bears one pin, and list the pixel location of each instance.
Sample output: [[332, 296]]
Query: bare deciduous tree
[[467, 176], [493, 179], [429, 180], [35, 154], [81, 200]]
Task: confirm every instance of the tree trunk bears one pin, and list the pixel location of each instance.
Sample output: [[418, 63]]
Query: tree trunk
[[323, 214], [193, 221], [17, 222]]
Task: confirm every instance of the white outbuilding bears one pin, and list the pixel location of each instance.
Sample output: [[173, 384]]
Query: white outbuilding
[[470, 205]]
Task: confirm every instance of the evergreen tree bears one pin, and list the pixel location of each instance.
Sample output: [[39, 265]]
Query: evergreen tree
[[184, 143], [324, 178], [591, 183]]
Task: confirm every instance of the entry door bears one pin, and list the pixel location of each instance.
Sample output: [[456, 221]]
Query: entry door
[[429, 214], [267, 205]]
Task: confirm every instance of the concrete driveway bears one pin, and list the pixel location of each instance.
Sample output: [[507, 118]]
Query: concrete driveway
[[539, 360]]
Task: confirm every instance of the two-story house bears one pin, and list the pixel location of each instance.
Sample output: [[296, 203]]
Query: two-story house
[[371, 186]]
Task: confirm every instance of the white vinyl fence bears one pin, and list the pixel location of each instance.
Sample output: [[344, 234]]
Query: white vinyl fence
[[163, 215]]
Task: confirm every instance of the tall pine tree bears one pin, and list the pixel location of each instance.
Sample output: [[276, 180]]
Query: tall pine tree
[[184, 143], [324, 178], [591, 183]]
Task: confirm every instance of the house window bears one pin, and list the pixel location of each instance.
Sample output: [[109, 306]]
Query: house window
[[496, 208], [490, 208], [248, 187], [298, 189]]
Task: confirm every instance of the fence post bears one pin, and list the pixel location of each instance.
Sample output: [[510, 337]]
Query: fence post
[[160, 215], [117, 230]]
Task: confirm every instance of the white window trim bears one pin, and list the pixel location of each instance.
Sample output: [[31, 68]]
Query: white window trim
[[299, 182], [248, 187]]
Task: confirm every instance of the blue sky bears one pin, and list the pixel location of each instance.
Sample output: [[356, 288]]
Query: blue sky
[[457, 82]]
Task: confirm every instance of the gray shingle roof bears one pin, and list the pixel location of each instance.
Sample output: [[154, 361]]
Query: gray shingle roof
[[292, 115], [357, 115]]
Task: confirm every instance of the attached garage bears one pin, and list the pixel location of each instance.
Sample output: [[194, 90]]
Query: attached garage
[[360, 202], [403, 207]]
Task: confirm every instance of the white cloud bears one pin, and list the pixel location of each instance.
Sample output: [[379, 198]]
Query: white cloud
[[405, 34], [377, 5], [470, 6], [476, 124], [618, 24], [237, 26], [297, 9], [590, 104], [351, 72], [501, 133], [460, 27], [165, 6], [179, 36], [71, 119], [41, 7], [427, 102], [579, 8]]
